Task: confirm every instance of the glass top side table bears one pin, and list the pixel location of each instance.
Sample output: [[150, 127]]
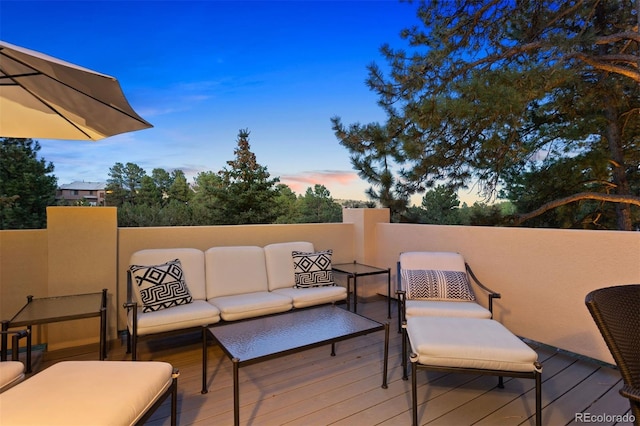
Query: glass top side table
[[353, 271], [56, 309]]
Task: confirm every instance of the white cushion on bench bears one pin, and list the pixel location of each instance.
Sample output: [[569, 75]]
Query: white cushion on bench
[[86, 393], [249, 305], [446, 308], [194, 314], [468, 343], [237, 283], [11, 372], [311, 296]]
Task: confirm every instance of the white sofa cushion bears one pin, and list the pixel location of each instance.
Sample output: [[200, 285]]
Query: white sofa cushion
[[468, 343], [194, 314], [445, 308], [280, 272], [191, 260], [249, 305], [87, 393], [304, 297], [11, 373], [235, 270]]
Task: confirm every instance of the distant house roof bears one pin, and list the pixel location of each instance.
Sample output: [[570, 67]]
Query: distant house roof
[[84, 186]]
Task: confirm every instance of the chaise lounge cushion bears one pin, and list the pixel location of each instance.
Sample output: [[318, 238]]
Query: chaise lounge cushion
[[86, 393], [11, 373], [446, 309], [236, 283], [281, 276]]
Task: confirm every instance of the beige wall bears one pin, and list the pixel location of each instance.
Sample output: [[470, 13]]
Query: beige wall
[[23, 268], [543, 274]]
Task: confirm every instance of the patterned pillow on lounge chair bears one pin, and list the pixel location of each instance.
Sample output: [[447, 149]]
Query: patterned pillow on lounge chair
[[437, 285]]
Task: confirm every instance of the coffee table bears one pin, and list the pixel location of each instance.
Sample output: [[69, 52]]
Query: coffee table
[[256, 340]]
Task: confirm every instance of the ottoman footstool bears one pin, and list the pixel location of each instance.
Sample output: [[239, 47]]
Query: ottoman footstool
[[91, 393], [468, 345]]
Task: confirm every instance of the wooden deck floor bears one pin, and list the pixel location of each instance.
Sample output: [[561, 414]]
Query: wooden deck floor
[[313, 388]]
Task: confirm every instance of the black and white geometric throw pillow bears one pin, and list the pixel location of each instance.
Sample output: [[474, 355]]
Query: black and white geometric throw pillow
[[312, 269], [161, 286], [437, 285]]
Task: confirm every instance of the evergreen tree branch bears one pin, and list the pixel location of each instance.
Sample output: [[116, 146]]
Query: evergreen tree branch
[[610, 198]]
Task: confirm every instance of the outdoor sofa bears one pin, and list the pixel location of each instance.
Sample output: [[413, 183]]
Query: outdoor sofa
[[180, 289]]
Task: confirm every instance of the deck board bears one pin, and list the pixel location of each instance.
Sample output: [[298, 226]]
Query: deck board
[[314, 388]]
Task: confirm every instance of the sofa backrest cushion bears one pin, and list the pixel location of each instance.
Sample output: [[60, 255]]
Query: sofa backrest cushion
[[235, 270], [191, 260], [279, 261]]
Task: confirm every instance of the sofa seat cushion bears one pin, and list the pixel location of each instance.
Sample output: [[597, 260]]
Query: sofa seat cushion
[[468, 343], [304, 297], [11, 373], [87, 393], [249, 305], [446, 309], [194, 314]]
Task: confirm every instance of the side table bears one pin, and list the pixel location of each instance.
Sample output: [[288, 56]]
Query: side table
[[355, 270], [55, 309]]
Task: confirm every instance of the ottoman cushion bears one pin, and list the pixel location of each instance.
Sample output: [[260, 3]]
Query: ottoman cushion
[[86, 393], [11, 372], [468, 343]]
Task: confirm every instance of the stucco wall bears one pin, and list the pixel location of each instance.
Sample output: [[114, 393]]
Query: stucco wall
[[542, 274], [23, 268]]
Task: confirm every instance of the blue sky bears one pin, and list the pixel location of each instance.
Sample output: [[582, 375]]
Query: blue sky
[[199, 71]]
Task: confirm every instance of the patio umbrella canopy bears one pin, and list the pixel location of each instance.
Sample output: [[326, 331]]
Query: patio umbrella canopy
[[45, 97]]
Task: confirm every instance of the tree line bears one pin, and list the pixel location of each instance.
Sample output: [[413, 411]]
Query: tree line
[[243, 192]]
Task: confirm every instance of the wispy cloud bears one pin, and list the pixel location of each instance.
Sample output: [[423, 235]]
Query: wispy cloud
[[299, 182]]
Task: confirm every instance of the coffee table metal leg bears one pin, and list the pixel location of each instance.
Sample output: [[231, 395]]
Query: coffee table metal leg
[[236, 392], [386, 356], [355, 294], [205, 355]]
